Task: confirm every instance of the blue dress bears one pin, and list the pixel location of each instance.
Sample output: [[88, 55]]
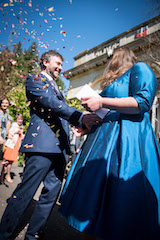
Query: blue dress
[[113, 188]]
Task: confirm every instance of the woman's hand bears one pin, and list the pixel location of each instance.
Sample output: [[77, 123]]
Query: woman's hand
[[92, 103], [91, 119]]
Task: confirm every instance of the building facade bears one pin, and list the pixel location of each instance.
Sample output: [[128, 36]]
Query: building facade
[[89, 65]]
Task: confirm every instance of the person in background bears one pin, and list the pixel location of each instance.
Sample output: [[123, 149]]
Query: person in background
[[12, 145], [76, 143], [45, 146], [113, 188], [5, 123]]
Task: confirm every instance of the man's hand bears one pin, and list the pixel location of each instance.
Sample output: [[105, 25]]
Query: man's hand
[[90, 119], [77, 131]]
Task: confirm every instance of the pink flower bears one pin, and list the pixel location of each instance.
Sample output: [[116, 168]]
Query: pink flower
[[12, 103], [29, 102]]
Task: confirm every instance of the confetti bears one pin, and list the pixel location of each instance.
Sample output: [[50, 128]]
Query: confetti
[[62, 32], [57, 133], [51, 9], [5, 5], [30, 4], [45, 86], [36, 78], [52, 126], [28, 146], [34, 134], [13, 62]]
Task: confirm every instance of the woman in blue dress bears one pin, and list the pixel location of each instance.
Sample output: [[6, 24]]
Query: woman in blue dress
[[113, 188]]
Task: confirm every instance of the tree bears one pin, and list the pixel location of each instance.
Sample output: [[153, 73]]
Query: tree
[[17, 48], [60, 83], [150, 49], [26, 62], [33, 53], [23, 63], [19, 103], [5, 69], [15, 66]]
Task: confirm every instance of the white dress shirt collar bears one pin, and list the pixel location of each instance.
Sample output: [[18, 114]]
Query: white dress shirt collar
[[47, 75]]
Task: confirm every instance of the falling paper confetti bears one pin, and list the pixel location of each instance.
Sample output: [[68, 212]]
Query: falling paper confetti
[[30, 4], [45, 86], [5, 5], [21, 27], [57, 135], [51, 9], [28, 146], [34, 134]]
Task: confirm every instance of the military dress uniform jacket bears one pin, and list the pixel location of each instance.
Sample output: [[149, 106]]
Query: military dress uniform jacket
[[48, 130]]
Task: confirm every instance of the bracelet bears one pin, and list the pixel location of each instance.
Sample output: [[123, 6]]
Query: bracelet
[[100, 102]]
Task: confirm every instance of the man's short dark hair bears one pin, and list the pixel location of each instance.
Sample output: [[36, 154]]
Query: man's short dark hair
[[47, 56]]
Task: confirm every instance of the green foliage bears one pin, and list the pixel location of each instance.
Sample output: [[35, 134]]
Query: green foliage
[[21, 159], [18, 48], [74, 103], [25, 62], [5, 69], [15, 66], [60, 83], [19, 103]]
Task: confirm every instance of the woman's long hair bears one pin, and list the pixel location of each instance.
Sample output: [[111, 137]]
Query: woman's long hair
[[123, 58], [3, 98]]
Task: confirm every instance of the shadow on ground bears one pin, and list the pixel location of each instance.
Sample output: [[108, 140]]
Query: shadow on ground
[[56, 227]]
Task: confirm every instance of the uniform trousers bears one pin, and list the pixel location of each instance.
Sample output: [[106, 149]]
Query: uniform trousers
[[48, 168]]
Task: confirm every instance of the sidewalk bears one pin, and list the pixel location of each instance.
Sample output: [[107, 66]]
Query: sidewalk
[[56, 227]]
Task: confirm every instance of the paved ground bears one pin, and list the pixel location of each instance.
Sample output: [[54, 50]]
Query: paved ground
[[56, 227]]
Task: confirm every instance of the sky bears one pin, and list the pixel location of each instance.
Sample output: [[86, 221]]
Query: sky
[[69, 26]]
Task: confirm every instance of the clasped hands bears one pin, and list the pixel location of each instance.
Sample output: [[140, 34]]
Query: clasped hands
[[89, 119]]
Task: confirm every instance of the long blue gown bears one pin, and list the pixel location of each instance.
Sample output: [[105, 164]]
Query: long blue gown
[[113, 188]]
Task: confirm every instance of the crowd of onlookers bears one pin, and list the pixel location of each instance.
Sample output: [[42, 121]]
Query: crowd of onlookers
[[11, 134]]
